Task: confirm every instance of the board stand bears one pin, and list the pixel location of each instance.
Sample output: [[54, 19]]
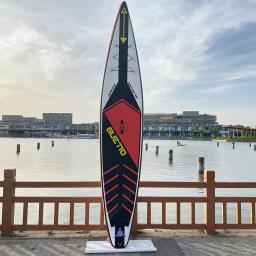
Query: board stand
[[133, 246]]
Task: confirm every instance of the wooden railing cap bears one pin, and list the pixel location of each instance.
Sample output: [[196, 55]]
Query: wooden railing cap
[[9, 173]]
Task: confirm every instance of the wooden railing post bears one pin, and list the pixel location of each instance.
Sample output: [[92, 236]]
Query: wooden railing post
[[209, 211], [8, 202]]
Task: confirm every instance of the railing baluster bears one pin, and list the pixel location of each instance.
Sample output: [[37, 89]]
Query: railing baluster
[[149, 213], [238, 213], [56, 213], [253, 213], [224, 213], [41, 213], [101, 215], [178, 212], [25, 214], [135, 221], [71, 214], [87, 213], [136, 214], [163, 213], [193, 213]]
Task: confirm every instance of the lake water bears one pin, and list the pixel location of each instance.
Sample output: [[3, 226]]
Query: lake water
[[79, 160]]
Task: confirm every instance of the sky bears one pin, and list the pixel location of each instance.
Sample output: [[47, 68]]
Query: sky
[[194, 55]]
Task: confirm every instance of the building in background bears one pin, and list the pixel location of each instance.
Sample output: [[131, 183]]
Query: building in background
[[85, 128], [18, 125], [52, 125], [19, 121], [236, 131], [187, 124], [10, 119], [57, 120]]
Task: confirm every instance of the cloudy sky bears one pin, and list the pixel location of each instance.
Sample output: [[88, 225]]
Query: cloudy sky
[[194, 55]]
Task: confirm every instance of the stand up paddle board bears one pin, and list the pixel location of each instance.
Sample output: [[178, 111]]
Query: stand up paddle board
[[121, 130]]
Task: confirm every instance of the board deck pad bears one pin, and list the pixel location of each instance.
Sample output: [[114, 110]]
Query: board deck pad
[[121, 130]]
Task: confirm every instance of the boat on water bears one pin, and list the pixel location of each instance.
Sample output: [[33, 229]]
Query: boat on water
[[179, 144]]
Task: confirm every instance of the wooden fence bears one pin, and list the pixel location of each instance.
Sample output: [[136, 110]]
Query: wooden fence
[[208, 199]]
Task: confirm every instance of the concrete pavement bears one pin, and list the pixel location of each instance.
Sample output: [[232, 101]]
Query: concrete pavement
[[168, 243]]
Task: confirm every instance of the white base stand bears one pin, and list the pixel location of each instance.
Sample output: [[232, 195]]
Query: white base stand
[[133, 246]]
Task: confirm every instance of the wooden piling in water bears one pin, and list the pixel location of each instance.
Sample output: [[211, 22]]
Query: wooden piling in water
[[157, 150], [38, 145], [170, 155], [52, 143], [201, 164], [18, 149], [218, 143]]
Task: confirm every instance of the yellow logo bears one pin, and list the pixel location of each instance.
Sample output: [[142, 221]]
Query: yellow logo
[[116, 141]]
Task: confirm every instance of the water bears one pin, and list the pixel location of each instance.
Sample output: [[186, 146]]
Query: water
[[79, 160]]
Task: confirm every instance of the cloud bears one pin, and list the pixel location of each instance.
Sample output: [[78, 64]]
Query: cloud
[[55, 51], [222, 88]]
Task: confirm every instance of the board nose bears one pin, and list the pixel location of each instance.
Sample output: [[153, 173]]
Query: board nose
[[123, 5]]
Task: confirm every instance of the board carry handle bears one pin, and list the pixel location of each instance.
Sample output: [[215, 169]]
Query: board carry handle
[[122, 126]]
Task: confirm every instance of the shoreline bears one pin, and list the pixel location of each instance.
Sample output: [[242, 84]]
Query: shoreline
[[217, 139]]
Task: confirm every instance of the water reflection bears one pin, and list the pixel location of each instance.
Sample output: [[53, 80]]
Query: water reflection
[[200, 177]]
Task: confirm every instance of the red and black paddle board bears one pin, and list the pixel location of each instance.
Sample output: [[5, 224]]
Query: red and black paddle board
[[121, 130]]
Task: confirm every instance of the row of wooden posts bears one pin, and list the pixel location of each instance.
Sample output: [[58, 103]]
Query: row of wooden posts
[[201, 162], [171, 151], [250, 145], [157, 151], [146, 147], [37, 146], [233, 145], [200, 159]]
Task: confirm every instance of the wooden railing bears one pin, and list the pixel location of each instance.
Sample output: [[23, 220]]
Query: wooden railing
[[9, 201]]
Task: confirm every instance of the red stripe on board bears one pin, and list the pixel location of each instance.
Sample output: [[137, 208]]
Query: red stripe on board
[[106, 182], [132, 181], [128, 199], [111, 169], [127, 209], [131, 138], [112, 198], [112, 209], [130, 169], [111, 189], [129, 189]]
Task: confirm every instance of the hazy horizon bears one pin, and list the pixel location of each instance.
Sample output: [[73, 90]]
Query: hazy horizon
[[194, 55]]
